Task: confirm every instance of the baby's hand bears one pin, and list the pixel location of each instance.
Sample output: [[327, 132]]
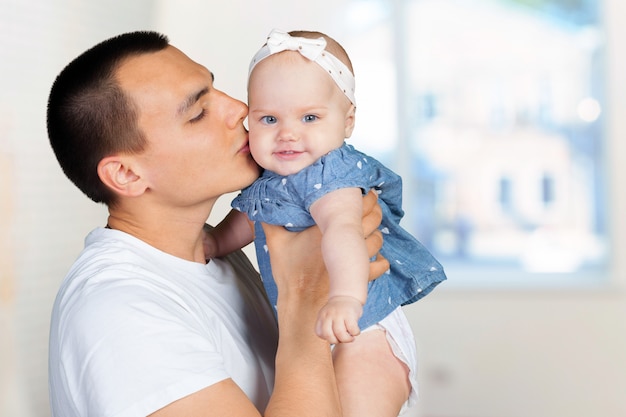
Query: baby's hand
[[337, 321]]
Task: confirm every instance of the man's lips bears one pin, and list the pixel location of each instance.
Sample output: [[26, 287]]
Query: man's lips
[[245, 148]]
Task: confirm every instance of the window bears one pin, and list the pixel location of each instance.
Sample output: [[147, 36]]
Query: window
[[496, 129]]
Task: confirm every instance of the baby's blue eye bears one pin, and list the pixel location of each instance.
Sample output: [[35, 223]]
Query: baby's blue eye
[[269, 120], [309, 118]]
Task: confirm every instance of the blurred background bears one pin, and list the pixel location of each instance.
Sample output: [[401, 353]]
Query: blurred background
[[505, 119]]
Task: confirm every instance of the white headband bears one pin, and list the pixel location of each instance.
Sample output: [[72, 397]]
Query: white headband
[[313, 49]]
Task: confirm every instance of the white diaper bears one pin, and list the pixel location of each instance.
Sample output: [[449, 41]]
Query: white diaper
[[402, 342]]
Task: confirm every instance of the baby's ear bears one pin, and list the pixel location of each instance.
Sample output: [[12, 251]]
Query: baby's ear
[[349, 121]]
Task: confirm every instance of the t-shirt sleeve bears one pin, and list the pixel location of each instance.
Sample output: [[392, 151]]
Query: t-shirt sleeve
[[133, 353]]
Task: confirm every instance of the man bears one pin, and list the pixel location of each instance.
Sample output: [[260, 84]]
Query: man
[[144, 324]]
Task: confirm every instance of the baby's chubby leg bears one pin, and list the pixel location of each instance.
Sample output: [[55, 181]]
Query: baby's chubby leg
[[372, 381]]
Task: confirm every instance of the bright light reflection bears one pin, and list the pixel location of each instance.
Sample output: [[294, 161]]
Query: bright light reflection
[[589, 109]]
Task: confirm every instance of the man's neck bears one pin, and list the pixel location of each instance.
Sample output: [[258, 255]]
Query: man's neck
[[178, 234]]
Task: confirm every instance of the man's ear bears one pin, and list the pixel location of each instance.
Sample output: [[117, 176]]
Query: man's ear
[[117, 173], [349, 121]]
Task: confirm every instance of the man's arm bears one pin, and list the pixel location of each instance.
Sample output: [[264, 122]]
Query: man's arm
[[305, 379]]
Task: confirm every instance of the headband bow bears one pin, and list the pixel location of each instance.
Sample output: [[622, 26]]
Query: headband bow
[[312, 49], [309, 48]]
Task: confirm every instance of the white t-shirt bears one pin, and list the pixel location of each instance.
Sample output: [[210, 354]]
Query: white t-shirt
[[134, 329]]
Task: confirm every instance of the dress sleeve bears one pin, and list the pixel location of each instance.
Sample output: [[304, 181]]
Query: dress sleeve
[[341, 168], [286, 200]]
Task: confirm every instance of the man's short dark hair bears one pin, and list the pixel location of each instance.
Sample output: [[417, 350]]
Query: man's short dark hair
[[90, 117]]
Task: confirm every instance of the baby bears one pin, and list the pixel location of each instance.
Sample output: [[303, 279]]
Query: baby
[[301, 109]]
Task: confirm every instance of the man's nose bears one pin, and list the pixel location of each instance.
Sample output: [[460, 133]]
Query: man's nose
[[236, 111]]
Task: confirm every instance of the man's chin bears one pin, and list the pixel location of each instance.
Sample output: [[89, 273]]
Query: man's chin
[[255, 173]]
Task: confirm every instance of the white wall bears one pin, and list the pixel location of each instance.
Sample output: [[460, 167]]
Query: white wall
[[483, 353], [43, 218]]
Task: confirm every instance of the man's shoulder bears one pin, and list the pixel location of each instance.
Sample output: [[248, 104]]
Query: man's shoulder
[[109, 270]]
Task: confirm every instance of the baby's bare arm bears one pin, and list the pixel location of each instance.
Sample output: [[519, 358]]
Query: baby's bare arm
[[232, 233], [338, 215]]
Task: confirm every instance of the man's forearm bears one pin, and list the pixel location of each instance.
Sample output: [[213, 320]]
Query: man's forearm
[[305, 383], [305, 379]]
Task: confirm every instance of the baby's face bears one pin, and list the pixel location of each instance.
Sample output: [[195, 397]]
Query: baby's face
[[297, 113]]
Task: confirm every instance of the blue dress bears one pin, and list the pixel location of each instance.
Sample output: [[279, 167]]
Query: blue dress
[[286, 200]]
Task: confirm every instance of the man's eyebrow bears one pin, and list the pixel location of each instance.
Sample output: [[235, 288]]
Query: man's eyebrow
[[191, 100]]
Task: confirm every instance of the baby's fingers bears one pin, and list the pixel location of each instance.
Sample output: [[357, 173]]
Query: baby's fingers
[[352, 327], [324, 330]]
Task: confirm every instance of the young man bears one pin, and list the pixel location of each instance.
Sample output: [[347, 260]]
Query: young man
[[143, 324]]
